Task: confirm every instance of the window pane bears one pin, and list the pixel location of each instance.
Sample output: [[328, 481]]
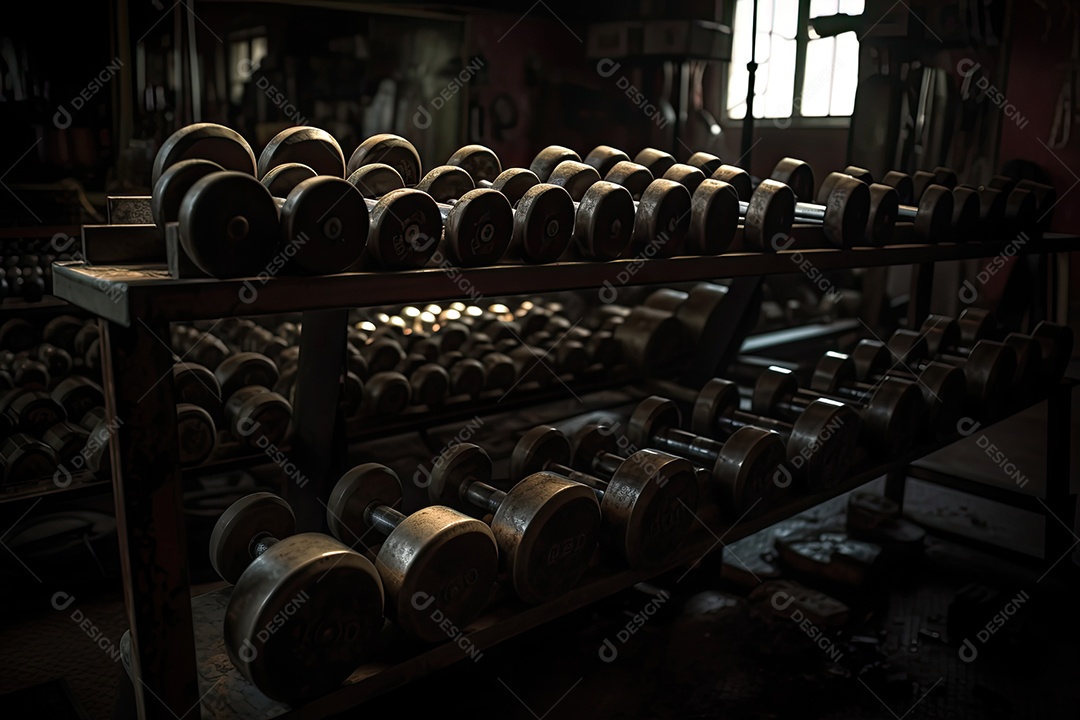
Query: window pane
[[776, 52], [845, 74], [818, 80], [823, 7], [853, 7]]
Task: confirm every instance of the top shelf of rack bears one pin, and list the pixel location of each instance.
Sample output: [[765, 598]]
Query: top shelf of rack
[[122, 293]]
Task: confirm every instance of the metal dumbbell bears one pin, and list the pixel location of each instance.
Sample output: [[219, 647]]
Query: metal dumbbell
[[24, 458], [1043, 354], [435, 563], [713, 212], [820, 443], [647, 500], [891, 411], [942, 386], [989, 369], [544, 214], [743, 467], [545, 526], [303, 608]]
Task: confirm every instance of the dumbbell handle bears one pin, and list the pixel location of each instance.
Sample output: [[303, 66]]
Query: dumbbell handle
[[688, 445], [484, 496], [383, 518], [262, 545], [598, 486], [739, 419], [857, 391]]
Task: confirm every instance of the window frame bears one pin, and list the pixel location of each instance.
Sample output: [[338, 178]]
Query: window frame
[[802, 41]]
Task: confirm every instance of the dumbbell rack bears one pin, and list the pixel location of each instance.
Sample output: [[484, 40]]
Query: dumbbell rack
[[170, 674]]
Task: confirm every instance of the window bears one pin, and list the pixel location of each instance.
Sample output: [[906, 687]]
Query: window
[[789, 52], [246, 51]]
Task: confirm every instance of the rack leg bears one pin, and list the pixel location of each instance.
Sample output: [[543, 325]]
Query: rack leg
[[318, 418], [147, 488]]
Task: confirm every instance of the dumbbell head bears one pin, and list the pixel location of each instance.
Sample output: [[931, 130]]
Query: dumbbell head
[[989, 373], [24, 458], [437, 563], [195, 384], [1046, 200], [635, 178], [331, 599], [243, 369], [206, 141], [605, 157], [744, 472], [324, 225], [575, 177], [196, 434], [967, 208], [1057, 345], [386, 393], [651, 340], [18, 334], [934, 219], [698, 311], [77, 395], [257, 417], [61, 331], [655, 161], [705, 162], [546, 527], [1030, 375], [229, 225], [309, 146], [737, 178], [480, 162], [514, 183], [975, 324], [405, 223], [769, 215], [649, 502], [543, 223], [686, 175], [479, 227], [663, 219], [32, 411], [714, 218], [604, 221], [796, 174], [281, 180], [549, 158], [169, 190], [392, 150], [820, 446], [904, 185]]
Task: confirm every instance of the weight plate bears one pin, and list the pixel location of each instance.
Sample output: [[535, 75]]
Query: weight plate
[[943, 390], [77, 395], [648, 507], [514, 183], [905, 186], [249, 519], [736, 178], [702, 312], [437, 565], [605, 157], [933, 221], [705, 162], [302, 619], [549, 158], [827, 186], [392, 150], [479, 162], [359, 490], [204, 141], [454, 470], [893, 415], [281, 180], [651, 417], [170, 188], [446, 183], [309, 146], [847, 212], [604, 222], [196, 434], [543, 224], [546, 528], [324, 226], [686, 175], [430, 385], [989, 371], [745, 472], [386, 393], [478, 228], [635, 178], [717, 399], [405, 230], [871, 357], [797, 175], [662, 220], [655, 161], [537, 450], [769, 216], [822, 443], [229, 225], [714, 218], [966, 210], [1057, 345], [884, 211], [975, 324], [1021, 211], [860, 174], [832, 372], [375, 180], [591, 441], [652, 341], [575, 177], [241, 370], [773, 388]]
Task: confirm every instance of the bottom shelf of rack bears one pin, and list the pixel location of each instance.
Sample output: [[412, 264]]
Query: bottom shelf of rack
[[226, 694]]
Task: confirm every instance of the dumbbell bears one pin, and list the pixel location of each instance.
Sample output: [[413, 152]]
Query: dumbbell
[[24, 458], [605, 214], [546, 527], [890, 412], [544, 214], [714, 215], [661, 209], [974, 325], [647, 500], [77, 395], [743, 467], [29, 411], [943, 387], [697, 311], [18, 334], [477, 228], [304, 607], [944, 338], [435, 564], [1042, 354], [819, 443], [253, 414], [989, 369]]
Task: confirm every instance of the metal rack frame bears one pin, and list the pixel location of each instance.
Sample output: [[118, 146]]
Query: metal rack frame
[[139, 302]]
